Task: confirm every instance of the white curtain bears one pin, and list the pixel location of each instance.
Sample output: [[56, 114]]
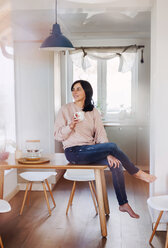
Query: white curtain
[[7, 99], [127, 56]]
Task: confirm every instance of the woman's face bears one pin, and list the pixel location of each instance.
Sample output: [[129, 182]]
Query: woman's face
[[78, 93]]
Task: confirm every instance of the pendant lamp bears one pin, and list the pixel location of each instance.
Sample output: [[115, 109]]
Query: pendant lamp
[[56, 41]]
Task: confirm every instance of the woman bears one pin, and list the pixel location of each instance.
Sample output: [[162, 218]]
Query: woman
[[85, 142]]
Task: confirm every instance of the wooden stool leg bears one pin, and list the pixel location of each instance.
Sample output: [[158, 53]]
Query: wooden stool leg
[[28, 196], [71, 197], [105, 197], [48, 186], [45, 193], [1, 183], [94, 190], [155, 227], [73, 192], [100, 202], [166, 243], [91, 190], [24, 199], [1, 244]]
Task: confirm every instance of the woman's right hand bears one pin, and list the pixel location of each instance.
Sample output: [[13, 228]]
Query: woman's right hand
[[73, 123]]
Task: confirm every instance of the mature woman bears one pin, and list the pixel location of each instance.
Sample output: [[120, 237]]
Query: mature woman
[[85, 141]]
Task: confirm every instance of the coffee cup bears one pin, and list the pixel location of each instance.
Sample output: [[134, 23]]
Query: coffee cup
[[79, 116]]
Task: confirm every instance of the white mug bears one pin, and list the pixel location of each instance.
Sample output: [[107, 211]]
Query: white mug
[[79, 116]]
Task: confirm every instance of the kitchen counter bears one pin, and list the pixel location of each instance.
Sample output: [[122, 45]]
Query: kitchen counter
[[124, 124]]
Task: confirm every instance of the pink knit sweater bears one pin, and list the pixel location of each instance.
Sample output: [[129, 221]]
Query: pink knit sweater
[[87, 132]]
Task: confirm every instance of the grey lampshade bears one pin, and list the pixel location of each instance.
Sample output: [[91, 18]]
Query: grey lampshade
[[56, 41]]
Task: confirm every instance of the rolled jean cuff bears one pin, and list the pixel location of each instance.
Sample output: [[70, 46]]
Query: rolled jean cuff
[[134, 170], [122, 202]]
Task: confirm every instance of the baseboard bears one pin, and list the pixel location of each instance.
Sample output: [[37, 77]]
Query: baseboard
[[9, 196]]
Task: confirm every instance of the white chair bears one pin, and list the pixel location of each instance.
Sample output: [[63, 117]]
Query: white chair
[[159, 203], [37, 177], [4, 208], [81, 175]]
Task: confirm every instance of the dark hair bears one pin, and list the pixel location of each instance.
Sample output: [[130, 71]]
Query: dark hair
[[89, 104]]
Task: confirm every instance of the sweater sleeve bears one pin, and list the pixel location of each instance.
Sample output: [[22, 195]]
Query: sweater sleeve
[[100, 133], [61, 128]]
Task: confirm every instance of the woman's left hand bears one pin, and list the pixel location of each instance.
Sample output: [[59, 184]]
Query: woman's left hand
[[113, 161]]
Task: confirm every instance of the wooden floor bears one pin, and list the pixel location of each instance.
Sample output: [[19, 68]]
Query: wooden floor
[[81, 229]]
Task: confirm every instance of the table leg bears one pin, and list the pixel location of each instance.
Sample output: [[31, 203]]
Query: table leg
[[105, 196], [166, 243], [99, 189], [1, 183]]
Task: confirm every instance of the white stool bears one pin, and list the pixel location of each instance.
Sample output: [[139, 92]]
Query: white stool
[[37, 177], [159, 203], [81, 175], [4, 208]]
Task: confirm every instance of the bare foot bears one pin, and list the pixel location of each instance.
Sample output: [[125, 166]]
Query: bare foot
[[127, 208], [145, 176]]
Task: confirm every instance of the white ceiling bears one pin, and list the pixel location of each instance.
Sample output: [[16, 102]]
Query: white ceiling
[[33, 19]]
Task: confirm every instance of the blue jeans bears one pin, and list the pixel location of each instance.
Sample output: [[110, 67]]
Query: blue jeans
[[97, 154]]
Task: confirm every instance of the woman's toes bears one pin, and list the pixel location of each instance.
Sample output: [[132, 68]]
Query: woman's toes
[[126, 208], [145, 176]]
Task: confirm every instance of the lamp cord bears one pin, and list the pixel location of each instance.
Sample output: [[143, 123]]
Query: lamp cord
[[56, 11]]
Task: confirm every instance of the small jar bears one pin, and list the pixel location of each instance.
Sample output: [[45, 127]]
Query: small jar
[[33, 149]]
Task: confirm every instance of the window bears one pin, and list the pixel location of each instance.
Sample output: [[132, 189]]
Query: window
[[114, 92], [118, 88]]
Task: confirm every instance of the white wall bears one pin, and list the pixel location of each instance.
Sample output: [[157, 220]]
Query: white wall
[[159, 101], [10, 184], [34, 77], [143, 101]]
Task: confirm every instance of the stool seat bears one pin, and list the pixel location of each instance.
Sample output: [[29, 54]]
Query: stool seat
[[158, 202], [4, 206], [37, 176], [79, 175]]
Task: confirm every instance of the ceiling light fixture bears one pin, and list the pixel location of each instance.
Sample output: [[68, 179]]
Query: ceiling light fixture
[[56, 41]]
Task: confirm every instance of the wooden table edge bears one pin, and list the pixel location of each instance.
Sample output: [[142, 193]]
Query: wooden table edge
[[51, 166]]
